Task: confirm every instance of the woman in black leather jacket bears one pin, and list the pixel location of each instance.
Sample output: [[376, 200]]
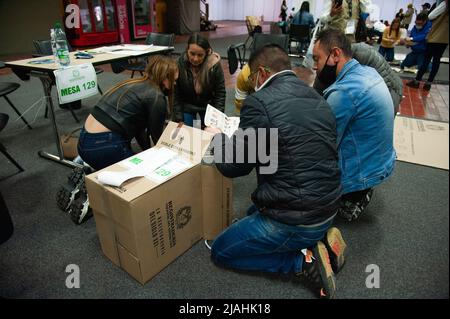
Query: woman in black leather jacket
[[135, 108], [201, 81]]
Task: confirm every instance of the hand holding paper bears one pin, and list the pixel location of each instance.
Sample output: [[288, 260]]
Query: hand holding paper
[[219, 120]]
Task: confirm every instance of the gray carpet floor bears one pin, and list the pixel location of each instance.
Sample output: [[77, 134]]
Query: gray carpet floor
[[404, 231]]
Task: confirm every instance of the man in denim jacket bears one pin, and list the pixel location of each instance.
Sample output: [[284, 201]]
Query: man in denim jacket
[[364, 114]]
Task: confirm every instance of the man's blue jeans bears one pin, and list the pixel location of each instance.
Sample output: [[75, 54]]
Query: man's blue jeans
[[259, 243]]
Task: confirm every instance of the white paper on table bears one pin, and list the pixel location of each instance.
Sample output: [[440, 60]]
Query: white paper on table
[[129, 49], [148, 160], [118, 178], [218, 119]]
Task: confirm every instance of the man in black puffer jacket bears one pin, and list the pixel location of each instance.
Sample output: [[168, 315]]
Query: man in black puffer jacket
[[298, 188]]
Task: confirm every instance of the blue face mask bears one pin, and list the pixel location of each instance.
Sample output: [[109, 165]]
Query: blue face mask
[[419, 27]]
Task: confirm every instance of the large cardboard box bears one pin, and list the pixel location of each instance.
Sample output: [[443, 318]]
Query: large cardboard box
[[146, 223]]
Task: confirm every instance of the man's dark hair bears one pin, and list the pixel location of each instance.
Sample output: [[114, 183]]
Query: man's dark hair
[[272, 56], [331, 38], [422, 16]]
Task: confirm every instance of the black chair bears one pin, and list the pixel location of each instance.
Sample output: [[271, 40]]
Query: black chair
[[262, 39], [3, 121], [7, 88], [236, 52], [236, 58], [299, 33], [160, 39]]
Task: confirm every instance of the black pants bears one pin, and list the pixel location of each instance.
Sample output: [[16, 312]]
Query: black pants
[[433, 51]]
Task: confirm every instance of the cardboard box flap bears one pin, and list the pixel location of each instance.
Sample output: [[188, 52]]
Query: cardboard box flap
[[190, 143]]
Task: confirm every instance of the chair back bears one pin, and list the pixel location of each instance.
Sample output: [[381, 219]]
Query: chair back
[[44, 47], [299, 32], [233, 62], [162, 39], [261, 39]]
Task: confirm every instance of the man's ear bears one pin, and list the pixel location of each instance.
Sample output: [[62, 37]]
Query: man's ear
[[336, 54]]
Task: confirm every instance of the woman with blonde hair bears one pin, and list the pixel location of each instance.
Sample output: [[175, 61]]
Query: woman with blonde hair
[[135, 108]]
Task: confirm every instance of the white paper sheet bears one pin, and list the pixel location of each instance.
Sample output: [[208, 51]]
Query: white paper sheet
[[215, 118], [118, 178], [148, 160]]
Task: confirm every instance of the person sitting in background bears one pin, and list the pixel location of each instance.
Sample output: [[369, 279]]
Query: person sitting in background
[[417, 42], [135, 108], [201, 82], [243, 88], [303, 16], [364, 110], [408, 16], [391, 36]]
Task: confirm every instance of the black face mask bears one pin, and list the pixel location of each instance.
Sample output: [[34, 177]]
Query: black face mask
[[328, 74]]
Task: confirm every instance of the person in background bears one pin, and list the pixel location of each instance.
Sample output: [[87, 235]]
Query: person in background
[[344, 14], [425, 9], [282, 232], [417, 42], [135, 108], [243, 88], [303, 16], [201, 82], [364, 110], [391, 36], [283, 16], [437, 41], [400, 15], [408, 16], [362, 32]]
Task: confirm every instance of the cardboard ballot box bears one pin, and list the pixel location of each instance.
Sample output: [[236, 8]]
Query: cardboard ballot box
[[149, 221]]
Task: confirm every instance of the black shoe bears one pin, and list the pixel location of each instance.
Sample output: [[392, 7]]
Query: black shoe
[[336, 247], [79, 210], [70, 191], [414, 84], [427, 86], [318, 272], [351, 211]]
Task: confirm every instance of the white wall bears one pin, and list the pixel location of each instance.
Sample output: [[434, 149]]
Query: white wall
[[238, 9]]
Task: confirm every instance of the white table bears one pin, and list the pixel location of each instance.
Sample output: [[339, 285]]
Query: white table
[[24, 69]]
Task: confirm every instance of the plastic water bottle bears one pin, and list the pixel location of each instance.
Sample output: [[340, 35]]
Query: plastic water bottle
[[53, 44], [62, 49]]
